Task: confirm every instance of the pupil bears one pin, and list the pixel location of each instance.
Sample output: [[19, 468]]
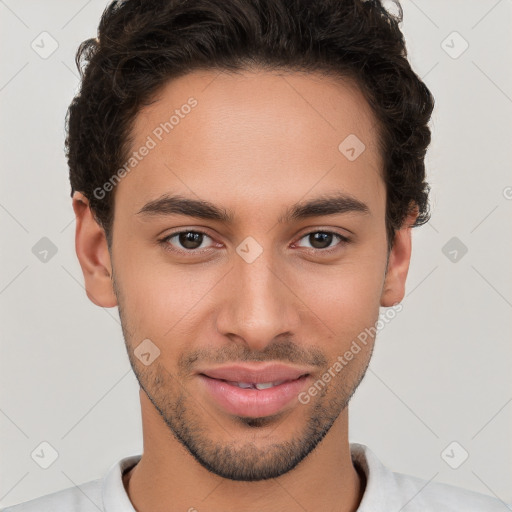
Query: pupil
[[325, 239], [189, 239]]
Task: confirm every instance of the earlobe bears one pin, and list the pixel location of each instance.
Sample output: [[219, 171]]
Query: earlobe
[[92, 252], [393, 290]]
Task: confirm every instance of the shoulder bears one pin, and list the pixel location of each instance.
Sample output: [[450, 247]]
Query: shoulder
[[432, 496], [98, 495], [387, 490], [83, 498]]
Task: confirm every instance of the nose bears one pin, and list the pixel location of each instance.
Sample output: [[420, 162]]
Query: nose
[[259, 304]]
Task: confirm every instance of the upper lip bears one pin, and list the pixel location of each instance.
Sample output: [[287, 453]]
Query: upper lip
[[255, 373]]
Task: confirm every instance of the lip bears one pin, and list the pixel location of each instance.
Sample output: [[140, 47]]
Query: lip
[[258, 373], [253, 403]]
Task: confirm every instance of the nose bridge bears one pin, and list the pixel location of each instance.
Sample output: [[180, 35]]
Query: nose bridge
[[259, 306]]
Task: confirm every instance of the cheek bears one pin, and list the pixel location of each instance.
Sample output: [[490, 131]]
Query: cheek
[[162, 299], [347, 296]]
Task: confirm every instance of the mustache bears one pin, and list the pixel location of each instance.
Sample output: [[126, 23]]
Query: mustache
[[285, 352]]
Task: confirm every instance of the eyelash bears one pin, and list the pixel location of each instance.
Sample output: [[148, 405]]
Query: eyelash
[[343, 240]]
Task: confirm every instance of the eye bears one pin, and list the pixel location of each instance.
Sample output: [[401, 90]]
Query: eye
[[187, 241], [192, 241], [322, 240]]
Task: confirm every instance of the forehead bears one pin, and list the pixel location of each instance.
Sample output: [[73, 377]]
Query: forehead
[[272, 135]]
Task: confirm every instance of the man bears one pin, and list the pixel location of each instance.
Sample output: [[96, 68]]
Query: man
[[245, 177]]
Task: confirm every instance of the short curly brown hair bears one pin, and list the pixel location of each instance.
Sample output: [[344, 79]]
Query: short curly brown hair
[[142, 44]]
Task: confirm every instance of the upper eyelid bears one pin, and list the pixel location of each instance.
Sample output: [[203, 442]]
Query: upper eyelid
[[173, 234], [343, 238]]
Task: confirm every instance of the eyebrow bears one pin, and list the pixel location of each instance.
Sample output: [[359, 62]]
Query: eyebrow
[[334, 204]]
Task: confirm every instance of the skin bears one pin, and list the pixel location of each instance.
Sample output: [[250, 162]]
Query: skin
[[256, 143]]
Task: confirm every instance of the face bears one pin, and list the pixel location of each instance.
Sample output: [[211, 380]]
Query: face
[[255, 277]]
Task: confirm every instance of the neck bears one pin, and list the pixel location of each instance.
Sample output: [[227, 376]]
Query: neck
[[169, 478]]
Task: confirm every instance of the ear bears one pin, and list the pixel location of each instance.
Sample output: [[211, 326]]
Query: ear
[[393, 290], [92, 251]]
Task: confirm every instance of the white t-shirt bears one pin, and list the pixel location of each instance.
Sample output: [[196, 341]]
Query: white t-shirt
[[385, 491]]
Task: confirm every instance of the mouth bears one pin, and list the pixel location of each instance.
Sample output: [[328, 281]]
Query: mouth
[[253, 399], [257, 385]]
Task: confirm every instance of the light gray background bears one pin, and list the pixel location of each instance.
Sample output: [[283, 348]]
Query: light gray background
[[441, 368]]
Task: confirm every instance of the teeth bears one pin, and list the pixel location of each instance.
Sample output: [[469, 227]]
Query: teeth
[[259, 385], [264, 385], [244, 385]]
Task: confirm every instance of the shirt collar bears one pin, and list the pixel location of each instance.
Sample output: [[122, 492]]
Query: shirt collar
[[113, 492], [379, 482]]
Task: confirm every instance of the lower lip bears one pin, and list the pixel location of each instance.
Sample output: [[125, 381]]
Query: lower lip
[[253, 403]]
